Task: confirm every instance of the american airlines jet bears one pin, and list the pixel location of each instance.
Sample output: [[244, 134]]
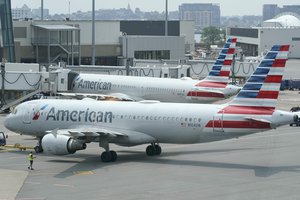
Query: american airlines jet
[[66, 126], [186, 90]]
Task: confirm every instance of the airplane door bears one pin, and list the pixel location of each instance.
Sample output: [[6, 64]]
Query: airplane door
[[28, 114], [218, 122]]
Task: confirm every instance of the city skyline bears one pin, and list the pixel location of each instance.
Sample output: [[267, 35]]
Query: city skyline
[[228, 7]]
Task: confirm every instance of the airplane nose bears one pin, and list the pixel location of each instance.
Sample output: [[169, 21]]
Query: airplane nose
[[8, 122]]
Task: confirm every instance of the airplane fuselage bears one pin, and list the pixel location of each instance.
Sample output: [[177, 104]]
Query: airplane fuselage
[[150, 88], [167, 122]]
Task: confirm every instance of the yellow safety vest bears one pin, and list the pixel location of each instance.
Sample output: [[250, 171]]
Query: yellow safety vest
[[30, 157]]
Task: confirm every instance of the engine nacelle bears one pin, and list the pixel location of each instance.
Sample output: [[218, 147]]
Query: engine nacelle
[[61, 144]]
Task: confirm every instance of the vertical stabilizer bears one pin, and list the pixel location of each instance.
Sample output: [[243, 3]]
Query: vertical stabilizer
[[218, 76]]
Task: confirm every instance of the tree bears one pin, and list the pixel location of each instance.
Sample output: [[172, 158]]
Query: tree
[[210, 36]]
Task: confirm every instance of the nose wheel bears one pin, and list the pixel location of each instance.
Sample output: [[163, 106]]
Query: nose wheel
[[38, 148], [153, 150]]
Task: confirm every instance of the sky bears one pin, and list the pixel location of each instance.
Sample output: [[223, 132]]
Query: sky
[[228, 7]]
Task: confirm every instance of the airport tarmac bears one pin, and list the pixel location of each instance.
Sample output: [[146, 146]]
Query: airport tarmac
[[260, 166]]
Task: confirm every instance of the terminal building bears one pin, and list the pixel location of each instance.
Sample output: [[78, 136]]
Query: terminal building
[[282, 29], [48, 42]]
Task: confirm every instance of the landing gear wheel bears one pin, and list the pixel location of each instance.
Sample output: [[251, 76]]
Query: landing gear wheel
[[153, 149], [157, 149], [113, 156], [150, 150], [106, 156], [109, 156], [38, 149]]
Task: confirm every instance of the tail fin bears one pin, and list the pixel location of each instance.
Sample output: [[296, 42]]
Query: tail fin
[[260, 93], [218, 76]]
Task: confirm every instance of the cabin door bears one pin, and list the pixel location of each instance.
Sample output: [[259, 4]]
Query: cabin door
[[218, 123]]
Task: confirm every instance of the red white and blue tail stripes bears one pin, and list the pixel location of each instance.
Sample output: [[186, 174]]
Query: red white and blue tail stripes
[[213, 86], [218, 76], [262, 88], [256, 102]]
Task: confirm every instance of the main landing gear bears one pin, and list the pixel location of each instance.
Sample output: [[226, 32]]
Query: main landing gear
[[107, 155], [153, 150], [111, 156]]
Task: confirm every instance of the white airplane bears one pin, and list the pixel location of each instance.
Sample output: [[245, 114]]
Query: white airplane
[[66, 126], [185, 90]]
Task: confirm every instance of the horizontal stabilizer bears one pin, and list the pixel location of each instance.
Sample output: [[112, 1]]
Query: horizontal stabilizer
[[257, 120]]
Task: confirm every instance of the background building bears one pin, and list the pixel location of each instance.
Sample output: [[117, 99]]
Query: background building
[[202, 14], [271, 10], [49, 42], [25, 13], [21, 13], [283, 29]]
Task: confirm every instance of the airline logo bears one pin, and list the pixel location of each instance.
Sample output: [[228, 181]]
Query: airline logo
[[258, 97], [37, 114], [218, 76], [86, 115], [92, 85]]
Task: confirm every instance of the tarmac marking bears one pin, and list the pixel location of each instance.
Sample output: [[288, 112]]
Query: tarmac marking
[[33, 183], [32, 198], [83, 172], [62, 185]]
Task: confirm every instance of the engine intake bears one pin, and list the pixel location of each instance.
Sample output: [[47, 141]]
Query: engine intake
[[61, 144]]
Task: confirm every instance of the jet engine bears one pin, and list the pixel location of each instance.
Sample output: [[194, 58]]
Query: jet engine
[[61, 144]]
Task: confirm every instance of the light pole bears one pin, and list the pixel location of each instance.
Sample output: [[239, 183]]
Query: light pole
[[126, 53], [2, 87], [42, 9], [93, 33], [166, 20]]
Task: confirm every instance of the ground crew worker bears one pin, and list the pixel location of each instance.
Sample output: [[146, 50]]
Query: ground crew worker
[[30, 158]]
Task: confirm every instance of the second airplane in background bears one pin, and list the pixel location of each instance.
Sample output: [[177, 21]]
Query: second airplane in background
[[214, 87]]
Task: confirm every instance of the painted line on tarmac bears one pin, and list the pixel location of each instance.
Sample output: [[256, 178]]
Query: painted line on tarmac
[[83, 172], [33, 183], [32, 198], [62, 185]]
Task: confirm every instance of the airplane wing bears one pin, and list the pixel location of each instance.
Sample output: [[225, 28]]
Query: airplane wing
[[112, 96], [118, 136]]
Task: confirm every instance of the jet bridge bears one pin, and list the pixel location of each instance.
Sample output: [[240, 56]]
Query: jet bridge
[[21, 82]]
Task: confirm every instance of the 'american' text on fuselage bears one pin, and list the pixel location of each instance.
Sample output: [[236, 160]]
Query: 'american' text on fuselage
[[79, 115], [94, 85]]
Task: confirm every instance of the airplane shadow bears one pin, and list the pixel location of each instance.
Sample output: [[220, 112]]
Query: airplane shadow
[[92, 162]]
